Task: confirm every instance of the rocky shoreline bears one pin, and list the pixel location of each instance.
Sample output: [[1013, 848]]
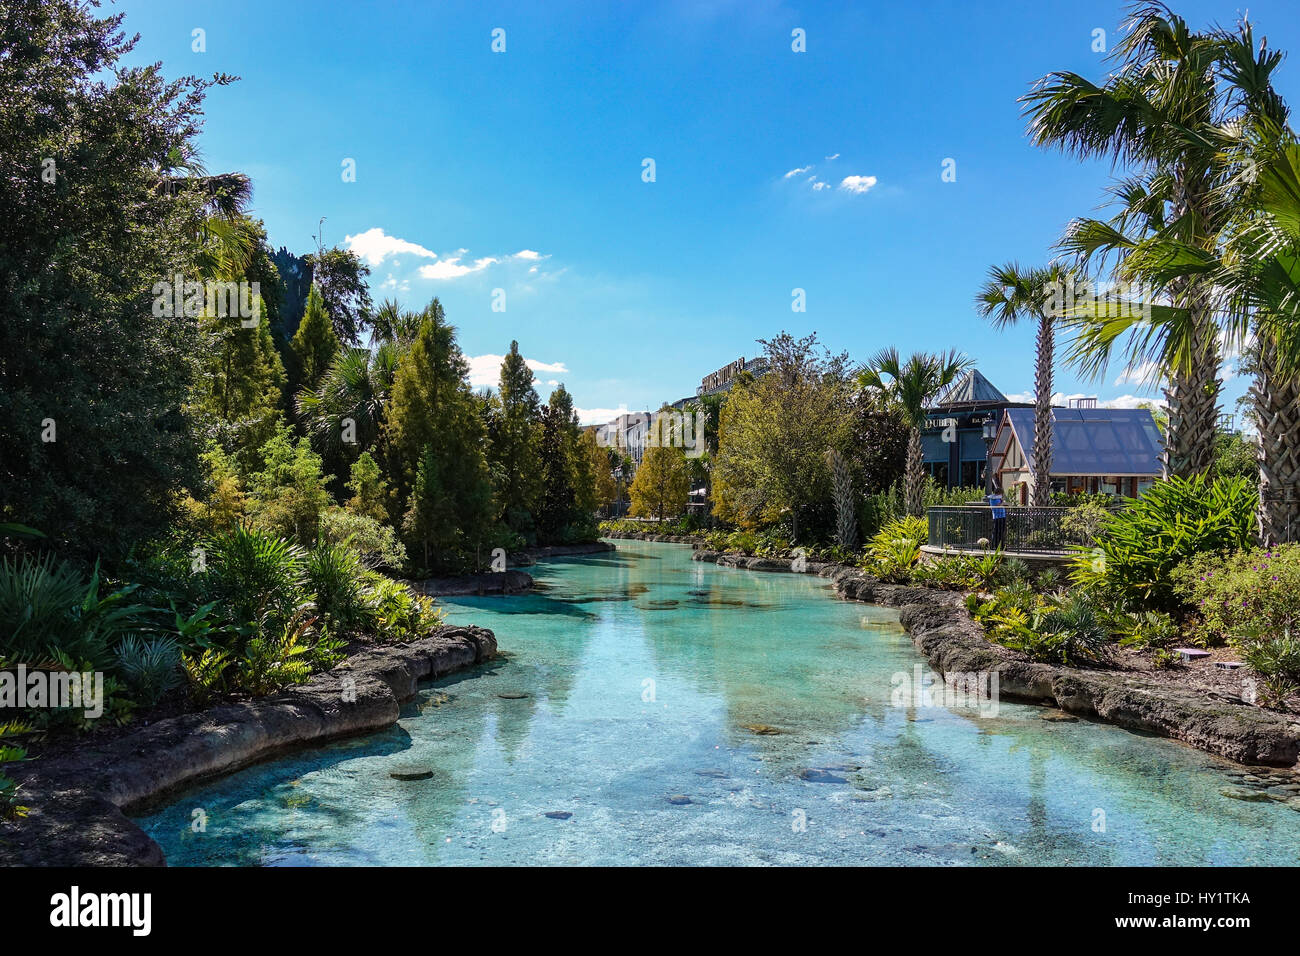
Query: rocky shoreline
[[944, 632], [78, 802]]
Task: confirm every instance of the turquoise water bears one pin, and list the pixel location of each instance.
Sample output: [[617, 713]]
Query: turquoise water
[[641, 671]]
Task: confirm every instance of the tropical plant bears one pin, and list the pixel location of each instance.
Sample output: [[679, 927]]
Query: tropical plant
[[149, 666], [1139, 547], [271, 661], [10, 809], [334, 575], [896, 549], [205, 673], [913, 385], [253, 573], [344, 413], [1073, 630], [1173, 109]]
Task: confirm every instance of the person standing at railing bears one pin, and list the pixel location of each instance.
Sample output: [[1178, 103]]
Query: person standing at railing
[[999, 511]]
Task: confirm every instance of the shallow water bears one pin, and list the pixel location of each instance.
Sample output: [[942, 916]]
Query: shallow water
[[682, 713]]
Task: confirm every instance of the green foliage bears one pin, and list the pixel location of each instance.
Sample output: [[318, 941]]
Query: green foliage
[[334, 574], [1071, 631], [47, 608], [437, 436], [661, 486], [1085, 520], [369, 489], [896, 548], [205, 673], [1277, 661], [253, 573], [149, 666], [1139, 547], [314, 344], [1245, 594], [271, 662], [399, 615], [1145, 629], [289, 493], [877, 509], [85, 362], [376, 544], [10, 809], [773, 433]]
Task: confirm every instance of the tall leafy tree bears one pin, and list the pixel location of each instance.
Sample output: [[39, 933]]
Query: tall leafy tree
[[344, 414], [913, 385], [436, 437], [91, 382], [314, 344], [662, 484], [341, 277], [773, 434], [513, 446]]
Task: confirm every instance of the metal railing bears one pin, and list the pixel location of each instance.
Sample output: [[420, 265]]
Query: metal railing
[[970, 527]]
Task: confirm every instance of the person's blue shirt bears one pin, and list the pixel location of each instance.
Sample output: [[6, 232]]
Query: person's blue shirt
[[995, 503]]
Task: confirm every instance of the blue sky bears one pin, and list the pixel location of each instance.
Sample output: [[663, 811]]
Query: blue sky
[[523, 170]]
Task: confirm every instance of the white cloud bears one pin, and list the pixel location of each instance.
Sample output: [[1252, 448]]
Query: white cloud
[[796, 172], [486, 369], [452, 268], [393, 284], [598, 416], [857, 184], [1145, 373], [832, 156], [1061, 400], [818, 185], [529, 254], [374, 246]]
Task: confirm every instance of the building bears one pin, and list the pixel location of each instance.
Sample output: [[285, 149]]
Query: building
[[954, 444], [1111, 450], [719, 382]]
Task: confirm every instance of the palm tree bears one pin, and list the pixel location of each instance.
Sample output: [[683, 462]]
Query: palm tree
[[1261, 271], [355, 387], [1248, 267], [1162, 112], [912, 385], [1011, 294]]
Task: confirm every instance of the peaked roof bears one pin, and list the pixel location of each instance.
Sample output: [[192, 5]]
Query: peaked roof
[[1094, 441], [973, 389]]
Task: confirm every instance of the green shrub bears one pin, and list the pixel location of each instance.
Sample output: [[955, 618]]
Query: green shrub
[[205, 673], [253, 572], [273, 661], [376, 544], [11, 753], [1145, 629], [1139, 547], [48, 609], [1247, 594], [896, 548], [334, 575], [1072, 630], [150, 667]]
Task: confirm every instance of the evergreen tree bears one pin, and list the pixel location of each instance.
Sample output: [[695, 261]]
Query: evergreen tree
[[314, 344], [512, 448], [369, 490], [436, 438]]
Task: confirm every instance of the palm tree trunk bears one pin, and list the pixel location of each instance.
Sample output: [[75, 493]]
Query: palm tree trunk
[[1043, 414], [1277, 408], [915, 476], [1193, 395]]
